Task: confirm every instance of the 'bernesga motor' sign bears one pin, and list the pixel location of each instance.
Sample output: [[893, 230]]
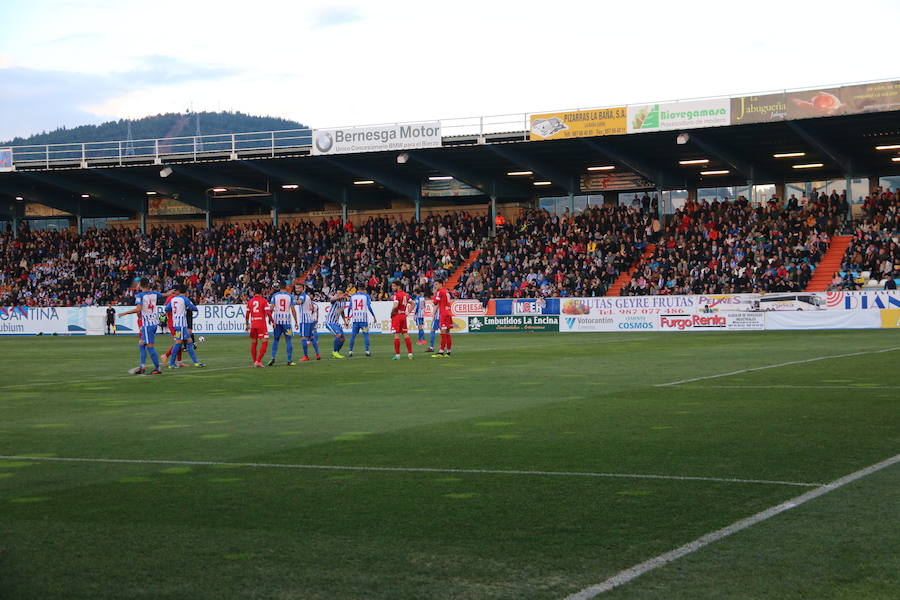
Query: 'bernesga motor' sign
[[404, 136]]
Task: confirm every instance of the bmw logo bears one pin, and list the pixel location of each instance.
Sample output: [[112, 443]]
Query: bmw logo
[[324, 142]]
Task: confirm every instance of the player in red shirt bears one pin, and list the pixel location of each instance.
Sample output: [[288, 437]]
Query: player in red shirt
[[442, 306], [402, 305], [258, 314]]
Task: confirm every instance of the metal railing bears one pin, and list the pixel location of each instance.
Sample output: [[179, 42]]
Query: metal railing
[[273, 143]]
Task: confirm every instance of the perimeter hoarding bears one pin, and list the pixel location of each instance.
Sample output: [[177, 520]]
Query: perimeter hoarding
[[579, 123], [493, 324], [407, 136], [6, 159], [679, 115]]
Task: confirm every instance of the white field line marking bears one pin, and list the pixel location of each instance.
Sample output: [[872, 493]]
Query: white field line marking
[[118, 377], [795, 387], [205, 463], [636, 571], [784, 364]]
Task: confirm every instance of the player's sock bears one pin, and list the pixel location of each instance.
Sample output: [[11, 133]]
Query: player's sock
[[352, 338], [336, 344], [396, 346], [366, 339], [289, 344], [142, 350], [253, 346], [449, 343], [431, 345], [179, 353], [191, 353], [262, 351], [175, 350], [274, 347], [443, 343], [408, 344], [315, 343], [154, 357], [305, 343], [421, 335], [169, 351]]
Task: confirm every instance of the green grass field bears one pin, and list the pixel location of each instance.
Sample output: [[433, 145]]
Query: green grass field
[[512, 470]]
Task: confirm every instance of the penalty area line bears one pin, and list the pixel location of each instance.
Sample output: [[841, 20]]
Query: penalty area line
[[210, 463], [636, 571], [775, 366]]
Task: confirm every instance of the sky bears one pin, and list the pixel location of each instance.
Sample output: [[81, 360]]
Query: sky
[[348, 62]]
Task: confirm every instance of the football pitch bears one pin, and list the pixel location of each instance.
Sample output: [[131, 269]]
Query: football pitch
[[528, 466]]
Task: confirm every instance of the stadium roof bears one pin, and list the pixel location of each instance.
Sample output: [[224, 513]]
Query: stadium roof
[[845, 146]]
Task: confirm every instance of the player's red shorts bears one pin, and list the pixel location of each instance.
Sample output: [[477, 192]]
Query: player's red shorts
[[398, 323], [258, 331], [446, 322]]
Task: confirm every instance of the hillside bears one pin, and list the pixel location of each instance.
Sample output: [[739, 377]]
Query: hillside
[[159, 126]]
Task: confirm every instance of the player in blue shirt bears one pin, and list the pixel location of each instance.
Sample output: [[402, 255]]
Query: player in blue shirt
[[333, 322], [309, 319], [177, 309], [419, 314], [360, 308], [282, 310], [435, 327], [146, 303]]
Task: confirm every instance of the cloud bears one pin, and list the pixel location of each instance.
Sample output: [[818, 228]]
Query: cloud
[[43, 100], [331, 16]]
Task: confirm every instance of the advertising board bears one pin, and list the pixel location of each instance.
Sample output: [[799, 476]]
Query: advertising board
[[578, 123], [492, 324], [406, 136], [679, 115]]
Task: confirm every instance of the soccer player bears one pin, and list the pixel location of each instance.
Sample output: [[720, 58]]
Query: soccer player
[[283, 310], [402, 305], [309, 320], [177, 308], [442, 309], [166, 323], [420, 316], [360, 309], [333, 322], [258, 314], [435, 327], [146, 302]]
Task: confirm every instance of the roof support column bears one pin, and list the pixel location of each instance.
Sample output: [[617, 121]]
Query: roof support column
[[143, 214], [208, 212], [660, 208], [493, 208], [78, 227], [275, 210], [345, 205], [418, 200], [848, 194], [18, 213]]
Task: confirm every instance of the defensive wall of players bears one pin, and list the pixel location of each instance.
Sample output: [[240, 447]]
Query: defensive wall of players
[[721, 312]]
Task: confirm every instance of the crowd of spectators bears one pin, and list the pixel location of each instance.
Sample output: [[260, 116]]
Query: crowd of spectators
[[385, 249], [560, 255], [706, 247], [729, 247], [875, 246], [98, 267]]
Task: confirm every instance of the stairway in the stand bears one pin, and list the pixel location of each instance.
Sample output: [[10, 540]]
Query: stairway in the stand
[[625, 277], [830, 263], [454, 279]]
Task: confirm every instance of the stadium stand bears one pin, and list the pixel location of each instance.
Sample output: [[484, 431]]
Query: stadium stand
[[559, 255], [872, 258], [705, 247], [724, 247]]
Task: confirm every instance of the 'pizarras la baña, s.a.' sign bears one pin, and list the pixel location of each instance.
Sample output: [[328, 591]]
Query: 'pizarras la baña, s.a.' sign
[[379, 138]]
